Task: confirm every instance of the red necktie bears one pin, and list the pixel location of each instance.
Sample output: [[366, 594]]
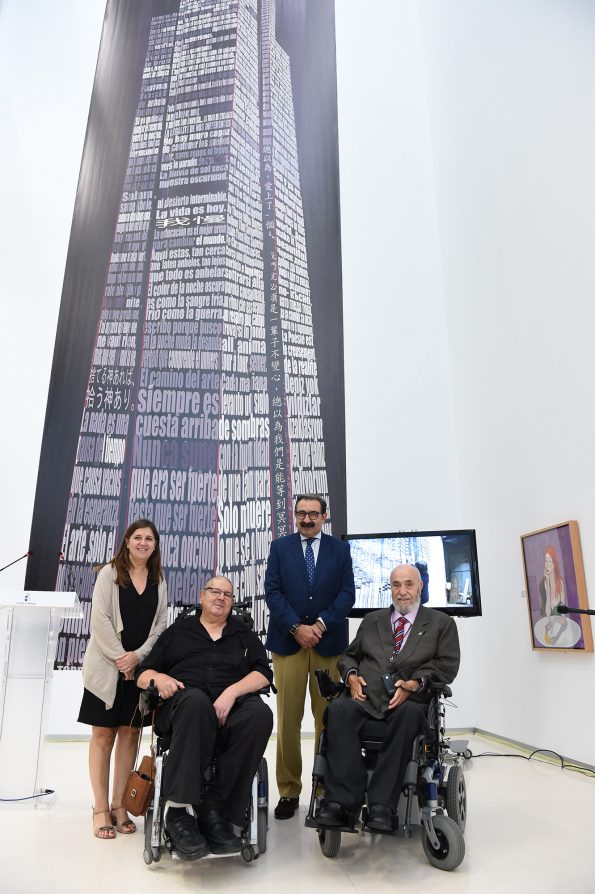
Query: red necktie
[[399, 633]]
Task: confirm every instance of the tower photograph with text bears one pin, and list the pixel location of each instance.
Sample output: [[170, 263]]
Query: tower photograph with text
[[188, 384]]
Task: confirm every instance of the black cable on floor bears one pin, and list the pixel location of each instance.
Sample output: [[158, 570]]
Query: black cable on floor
[[43, 794], [586, 771]]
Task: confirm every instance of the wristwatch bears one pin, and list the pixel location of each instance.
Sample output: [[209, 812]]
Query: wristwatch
[[293, 629]]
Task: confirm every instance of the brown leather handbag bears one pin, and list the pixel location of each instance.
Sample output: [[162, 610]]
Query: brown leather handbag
[[141, 782], [139, 788]]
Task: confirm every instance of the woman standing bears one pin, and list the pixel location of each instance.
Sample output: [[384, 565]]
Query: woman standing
[[128, 613]]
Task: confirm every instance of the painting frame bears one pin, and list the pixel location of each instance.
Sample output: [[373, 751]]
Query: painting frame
[[555, 575]]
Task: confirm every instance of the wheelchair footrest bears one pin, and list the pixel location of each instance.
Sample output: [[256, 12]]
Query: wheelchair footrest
[[380, 831], [310, 823]]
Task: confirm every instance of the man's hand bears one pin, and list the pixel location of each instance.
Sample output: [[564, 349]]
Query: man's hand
[[404, 690], [356, 687], [224, 704], [166, 685], [307, 635]]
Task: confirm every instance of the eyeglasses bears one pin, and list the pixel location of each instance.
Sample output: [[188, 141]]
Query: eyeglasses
[[215, 591], [311, 515]]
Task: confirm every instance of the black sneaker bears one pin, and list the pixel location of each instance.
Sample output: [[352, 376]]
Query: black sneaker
[[184, 835], [286, 808]]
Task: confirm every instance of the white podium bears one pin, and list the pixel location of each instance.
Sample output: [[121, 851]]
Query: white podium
[[29, 627]]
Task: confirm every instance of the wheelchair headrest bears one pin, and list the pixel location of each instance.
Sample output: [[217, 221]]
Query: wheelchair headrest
[[241, 610]]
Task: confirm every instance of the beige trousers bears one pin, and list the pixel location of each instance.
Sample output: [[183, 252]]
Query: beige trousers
[[293, 673]]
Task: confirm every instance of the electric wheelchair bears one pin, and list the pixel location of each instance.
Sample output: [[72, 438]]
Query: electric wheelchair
[[253, 833], [434, 794]]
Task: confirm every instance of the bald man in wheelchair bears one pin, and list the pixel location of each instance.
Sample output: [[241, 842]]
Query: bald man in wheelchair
[[397, 651], [208, 669]]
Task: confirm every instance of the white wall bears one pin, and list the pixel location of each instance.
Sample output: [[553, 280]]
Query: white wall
[[48, 53], [510, 87], [466, 139], [506, 87], [402, 466]]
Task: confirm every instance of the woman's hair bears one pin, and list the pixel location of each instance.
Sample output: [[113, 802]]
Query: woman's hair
[[551, 551], [121, 560]]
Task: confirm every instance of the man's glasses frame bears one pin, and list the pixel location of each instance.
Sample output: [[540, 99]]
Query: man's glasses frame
[[215, 591], [301, 515]]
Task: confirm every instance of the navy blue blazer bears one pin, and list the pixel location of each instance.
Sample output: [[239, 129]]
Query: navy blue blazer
[[292, 599]]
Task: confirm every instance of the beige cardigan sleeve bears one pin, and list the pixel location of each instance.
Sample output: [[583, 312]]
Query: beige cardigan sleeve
[[103, 622]]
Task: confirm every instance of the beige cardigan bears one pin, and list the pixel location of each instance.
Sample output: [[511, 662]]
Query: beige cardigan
[[100, 673]]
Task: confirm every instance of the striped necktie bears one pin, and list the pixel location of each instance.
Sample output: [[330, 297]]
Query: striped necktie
[[399, 633]]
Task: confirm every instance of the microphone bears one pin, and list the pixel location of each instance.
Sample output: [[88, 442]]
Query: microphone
[[566, 610]]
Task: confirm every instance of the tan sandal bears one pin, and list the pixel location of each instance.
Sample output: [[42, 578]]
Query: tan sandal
[[128, 826], [104, 832]]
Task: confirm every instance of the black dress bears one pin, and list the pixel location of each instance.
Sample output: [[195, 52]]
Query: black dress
[[138, 612]]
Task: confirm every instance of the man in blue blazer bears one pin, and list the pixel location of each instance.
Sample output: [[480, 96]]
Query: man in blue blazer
[[309, 591]]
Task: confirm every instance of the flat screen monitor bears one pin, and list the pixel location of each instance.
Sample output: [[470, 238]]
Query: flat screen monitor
[[446, 560]]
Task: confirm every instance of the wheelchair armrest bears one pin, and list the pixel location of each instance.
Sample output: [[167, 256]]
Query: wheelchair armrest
[[328, 688], [266, 690], [148, 698], [439, 688]]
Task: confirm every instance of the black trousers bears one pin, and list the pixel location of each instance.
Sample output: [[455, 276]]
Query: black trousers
[[346, 774], [190, 717]]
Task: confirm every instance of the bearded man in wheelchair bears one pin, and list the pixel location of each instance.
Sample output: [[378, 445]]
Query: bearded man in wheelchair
[[208, 669], [387, 668]]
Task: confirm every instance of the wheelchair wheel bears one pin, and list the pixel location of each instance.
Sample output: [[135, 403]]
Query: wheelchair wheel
[[248, 853], [148, 852], [451, 849], [456, 797], [262, 824], [262, 811], [263, 776], [330, 841]]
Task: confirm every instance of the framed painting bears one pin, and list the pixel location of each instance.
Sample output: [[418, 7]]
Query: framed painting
[[555, 580]]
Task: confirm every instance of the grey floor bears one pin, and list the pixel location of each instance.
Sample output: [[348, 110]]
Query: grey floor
[[529, 830]]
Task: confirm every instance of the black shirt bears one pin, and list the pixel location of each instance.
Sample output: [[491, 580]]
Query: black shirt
[[186, 651], [138, 611]]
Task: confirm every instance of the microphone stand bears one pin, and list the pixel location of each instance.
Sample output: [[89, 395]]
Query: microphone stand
[[565, 610], [20, 559]]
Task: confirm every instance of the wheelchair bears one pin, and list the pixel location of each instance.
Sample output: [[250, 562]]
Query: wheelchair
[[434, 794], [253, 833]]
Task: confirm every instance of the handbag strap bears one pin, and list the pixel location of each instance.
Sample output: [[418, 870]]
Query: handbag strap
[[140, 733]]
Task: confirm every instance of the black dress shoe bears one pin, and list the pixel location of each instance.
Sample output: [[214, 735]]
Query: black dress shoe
[[286, 808], [380, 818], [185, 837], [219, 834], [333, 815]]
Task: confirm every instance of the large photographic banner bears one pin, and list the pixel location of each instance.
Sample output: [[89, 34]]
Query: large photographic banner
[[198, 371]]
